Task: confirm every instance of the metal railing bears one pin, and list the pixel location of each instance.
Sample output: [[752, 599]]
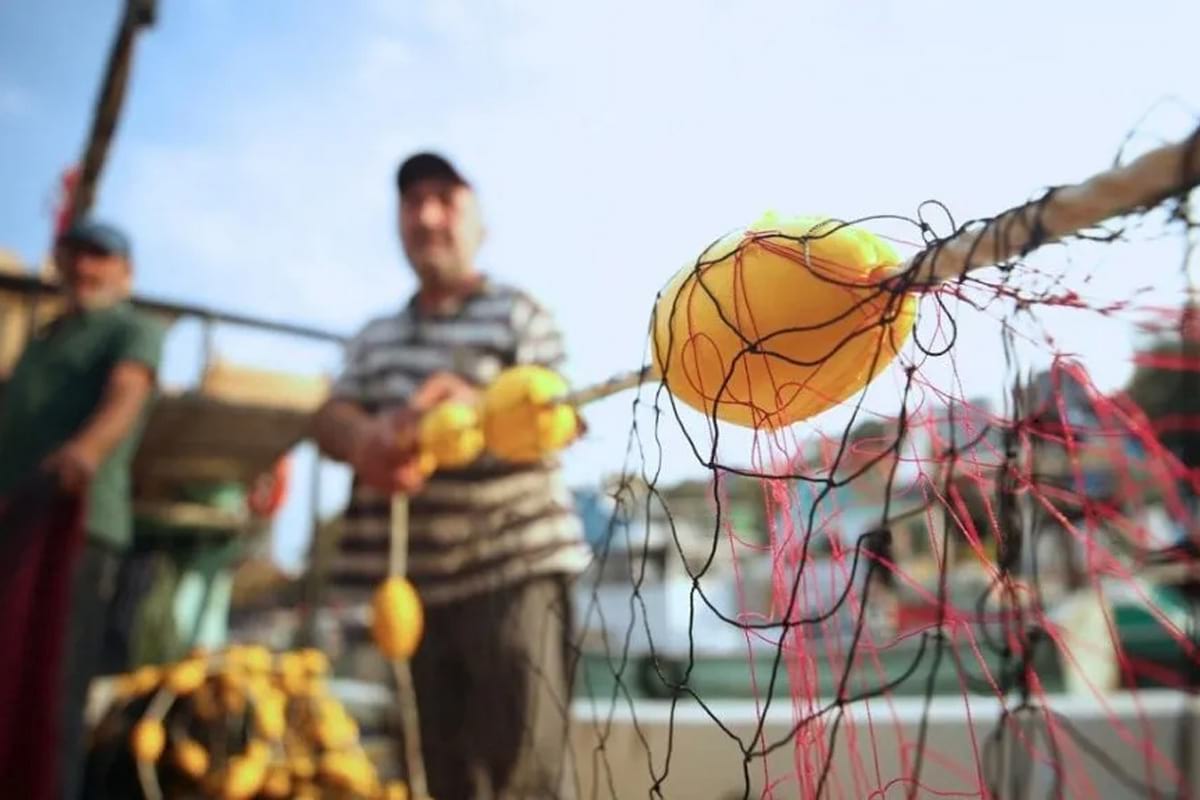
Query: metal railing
[[34, 286]]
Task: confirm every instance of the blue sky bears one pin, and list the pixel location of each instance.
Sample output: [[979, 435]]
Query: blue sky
[[611, 142]]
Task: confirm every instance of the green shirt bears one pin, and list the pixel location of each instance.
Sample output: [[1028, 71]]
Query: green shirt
[[55, 388]]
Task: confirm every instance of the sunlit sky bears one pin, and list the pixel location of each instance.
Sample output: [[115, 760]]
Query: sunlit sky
[[610, 141]]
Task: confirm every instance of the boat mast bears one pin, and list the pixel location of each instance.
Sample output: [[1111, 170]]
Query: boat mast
[[138, 14]]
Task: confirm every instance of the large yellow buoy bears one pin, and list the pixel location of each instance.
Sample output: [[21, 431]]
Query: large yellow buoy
[[780, 321]]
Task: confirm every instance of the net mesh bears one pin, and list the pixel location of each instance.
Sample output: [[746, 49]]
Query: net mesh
[[974, 578]]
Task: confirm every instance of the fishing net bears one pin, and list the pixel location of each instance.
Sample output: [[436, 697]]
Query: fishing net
[[973, 576]]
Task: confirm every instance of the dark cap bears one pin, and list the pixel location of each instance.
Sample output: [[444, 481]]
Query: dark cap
[[97, 235], [426, 165]]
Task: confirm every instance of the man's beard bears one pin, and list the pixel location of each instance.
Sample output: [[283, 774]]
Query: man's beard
[[98, 299], [443, 273]]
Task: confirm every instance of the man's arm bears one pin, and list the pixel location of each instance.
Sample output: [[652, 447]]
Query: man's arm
[[341, 426], [381, 449], [136, 354], [339, 429], [129, 386]]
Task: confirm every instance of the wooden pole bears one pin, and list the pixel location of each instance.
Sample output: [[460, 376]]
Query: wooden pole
[[137, 14], [1169, 171], [410, 721]]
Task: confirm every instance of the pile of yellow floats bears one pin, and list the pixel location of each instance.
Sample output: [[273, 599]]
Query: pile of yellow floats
[[241, 723]]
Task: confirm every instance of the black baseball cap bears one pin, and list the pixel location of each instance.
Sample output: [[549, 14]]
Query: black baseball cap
[[97, 235], [426, 165]]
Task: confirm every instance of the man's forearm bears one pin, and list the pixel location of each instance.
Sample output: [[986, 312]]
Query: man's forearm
[[339, 427], [125, 396]]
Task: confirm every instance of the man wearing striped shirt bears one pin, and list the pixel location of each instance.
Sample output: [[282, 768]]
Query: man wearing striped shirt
[[493, 546]]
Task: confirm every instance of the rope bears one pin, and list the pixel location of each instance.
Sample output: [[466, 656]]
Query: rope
[[410, 722], [607, 388]]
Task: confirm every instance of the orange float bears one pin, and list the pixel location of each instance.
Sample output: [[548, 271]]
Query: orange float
[[780, 321], [269, 491], [397, 618]]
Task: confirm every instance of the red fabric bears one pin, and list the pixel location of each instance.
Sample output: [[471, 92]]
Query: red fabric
[[34, 605], [62, 212]]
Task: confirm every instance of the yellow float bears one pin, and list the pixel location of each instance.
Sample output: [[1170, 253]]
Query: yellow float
[[524, 416], [191, 757], [397, 618], [148, 740], [449, 436], [780, 321]]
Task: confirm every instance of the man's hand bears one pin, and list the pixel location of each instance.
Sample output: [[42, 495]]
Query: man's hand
[[443, 387], [73, 465], [382, 449], [385, 453]]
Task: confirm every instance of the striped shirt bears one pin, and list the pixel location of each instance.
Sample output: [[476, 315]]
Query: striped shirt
[[474, 529]]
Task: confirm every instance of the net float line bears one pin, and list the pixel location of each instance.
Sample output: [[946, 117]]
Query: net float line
[[614, 385]]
